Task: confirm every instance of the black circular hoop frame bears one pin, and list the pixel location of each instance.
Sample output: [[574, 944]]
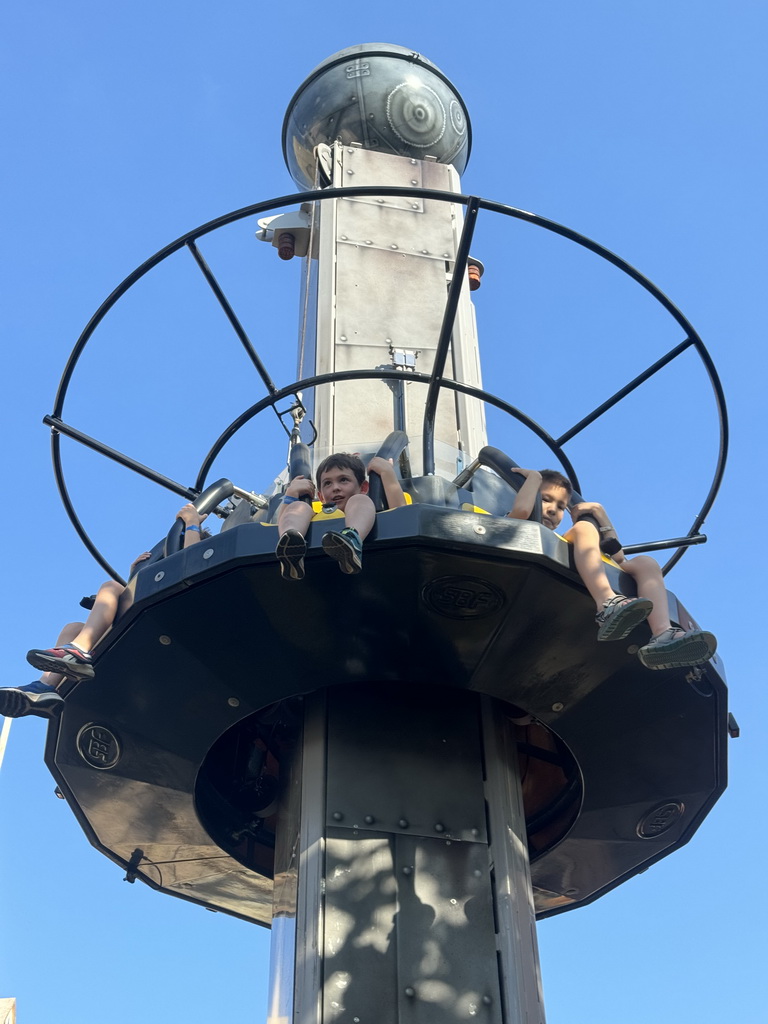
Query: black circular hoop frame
[[435, 380]]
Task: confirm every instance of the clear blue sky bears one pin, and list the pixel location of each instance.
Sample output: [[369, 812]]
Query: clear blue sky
[[641, 125]]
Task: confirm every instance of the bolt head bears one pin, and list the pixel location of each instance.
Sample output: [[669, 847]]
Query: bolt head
[[233, 702]]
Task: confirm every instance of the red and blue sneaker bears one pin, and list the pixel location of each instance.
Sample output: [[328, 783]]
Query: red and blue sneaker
[[68, 660]]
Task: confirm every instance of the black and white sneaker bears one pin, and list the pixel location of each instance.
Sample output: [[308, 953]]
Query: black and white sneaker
[[33, 699], [290, 552]]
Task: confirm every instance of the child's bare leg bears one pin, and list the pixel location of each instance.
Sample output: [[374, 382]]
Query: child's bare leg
[[297, 515], [646, 573], [589, 562], [293, 521], [360, 514], [346, 547], [616, 615], [101, 616]]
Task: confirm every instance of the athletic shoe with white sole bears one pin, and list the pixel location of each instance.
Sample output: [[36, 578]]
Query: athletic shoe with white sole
[[69, 660], [33, 699]]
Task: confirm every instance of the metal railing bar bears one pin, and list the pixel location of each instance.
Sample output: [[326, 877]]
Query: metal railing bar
[[60, 427], [69, 508], [458, 282], [661, 545], [238, 328], [722, 455], [378, 374], [626, 390]]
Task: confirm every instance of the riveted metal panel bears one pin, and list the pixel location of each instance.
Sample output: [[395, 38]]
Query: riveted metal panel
[[446, 951], [359, 948], [402, 763]]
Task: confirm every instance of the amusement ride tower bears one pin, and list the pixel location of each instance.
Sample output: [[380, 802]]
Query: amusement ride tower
[[402, 818]]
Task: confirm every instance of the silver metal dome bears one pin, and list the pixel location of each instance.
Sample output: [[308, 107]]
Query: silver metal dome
[[382, 96]]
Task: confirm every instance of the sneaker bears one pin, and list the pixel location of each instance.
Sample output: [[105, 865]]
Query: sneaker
[[33, 699], [69, 660], [290, 552], [346, 548], [676, 648], [620, 615]]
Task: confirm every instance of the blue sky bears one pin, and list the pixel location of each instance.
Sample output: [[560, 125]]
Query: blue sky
[[641, 125]]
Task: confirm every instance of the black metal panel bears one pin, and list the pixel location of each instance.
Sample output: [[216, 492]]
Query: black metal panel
[[212, 634], [427, 780]]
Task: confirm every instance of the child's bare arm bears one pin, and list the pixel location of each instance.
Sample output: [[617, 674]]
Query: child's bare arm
[[526, 496], [137, 562], [192, 520], [392, 488]]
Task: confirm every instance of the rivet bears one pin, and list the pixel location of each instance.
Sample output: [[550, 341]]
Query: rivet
[[338, 816], [487, 1000], [343, 337], [410, 992], [380, 201], [369, 819], [208, 552], [558, 706], [407, 870], [424, 252], [446, 256], [414, 206], [403, 823], [414, 181], [350, 172], [413, 162], [477, 873], [633, 649], [480, 530], [475, 831], [453, 903], [343, 238], [164, 640], [439, 827], [393, 246], [368, 241], [233, 702], [570, 892], [159, 576]]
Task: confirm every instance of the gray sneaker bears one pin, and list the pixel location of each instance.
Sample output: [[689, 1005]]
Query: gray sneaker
[[678, 648], [620, 615], [33, 699], [290, 552]]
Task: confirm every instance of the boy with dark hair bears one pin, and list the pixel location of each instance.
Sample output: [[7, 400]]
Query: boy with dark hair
[[71, 657], [341, 483], [617, 615]]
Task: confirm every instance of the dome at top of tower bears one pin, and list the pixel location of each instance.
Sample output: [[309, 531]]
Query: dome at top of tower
[[383, 97]]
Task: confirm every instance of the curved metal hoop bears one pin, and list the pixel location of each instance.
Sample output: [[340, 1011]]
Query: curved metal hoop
[[435, 381]]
